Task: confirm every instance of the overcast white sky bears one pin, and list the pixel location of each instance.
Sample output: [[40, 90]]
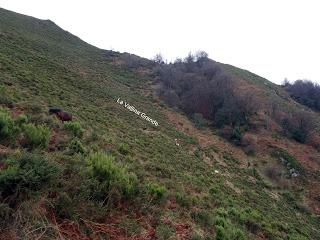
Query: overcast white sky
[[272, 38]]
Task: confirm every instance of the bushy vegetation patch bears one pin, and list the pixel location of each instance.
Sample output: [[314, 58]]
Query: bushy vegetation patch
[[226, 230], [305, 92], [7, 126], [236, 135], [157, 191], [74, 128], [199, 121], [21, 119], [4, 98], [27, 172], [164, 232], [300, 125], [203, 218], [76, 146], [111, 176], [123, 149], [36, 135], [183, 199]]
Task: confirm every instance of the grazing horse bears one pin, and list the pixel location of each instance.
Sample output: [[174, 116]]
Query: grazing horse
[[63, 116]]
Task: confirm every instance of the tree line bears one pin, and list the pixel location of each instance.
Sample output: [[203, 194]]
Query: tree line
[[305, 92], [197, 85]]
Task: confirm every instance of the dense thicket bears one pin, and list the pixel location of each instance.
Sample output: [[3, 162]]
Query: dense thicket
[[299, 125], [197, 85], [305, 92]]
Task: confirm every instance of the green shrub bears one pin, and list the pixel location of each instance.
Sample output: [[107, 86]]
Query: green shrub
[[132, 226], [76, 146], [199, 121], [255, 173], [220, 233], [230, 158], [236, 135], [64, 206], [94, 136], [123, 149], [5, 211], [21, 119], [226, 230], [74, 128], [218, 193], [288, 196], [183, 200], [7, 125], [196, 236], [157, 191], [26, 172], [36, 136], [34, 108], [203, 218], [4, 99], [111, 175], [164, 232]]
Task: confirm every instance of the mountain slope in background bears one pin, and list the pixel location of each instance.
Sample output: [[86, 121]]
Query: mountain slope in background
[[117, 176]]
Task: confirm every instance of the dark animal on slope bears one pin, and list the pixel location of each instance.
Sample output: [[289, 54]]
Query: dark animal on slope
[[54, 110], [62, 115]]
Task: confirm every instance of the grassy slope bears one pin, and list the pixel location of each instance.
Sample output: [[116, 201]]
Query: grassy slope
[[42, 64]]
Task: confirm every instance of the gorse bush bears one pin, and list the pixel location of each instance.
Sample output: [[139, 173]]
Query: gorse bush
[[183, 200], [4, 98], [76, 146], [75, 128], [199, 121], [21, 119], [157, 191], [36, 136], [123, 149], [225, 229], [236, 135], [111, 175], [203, 218], [164, 232], [26, 172], [7, 125]]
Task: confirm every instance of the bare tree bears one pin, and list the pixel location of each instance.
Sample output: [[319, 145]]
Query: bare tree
[[158, 58]]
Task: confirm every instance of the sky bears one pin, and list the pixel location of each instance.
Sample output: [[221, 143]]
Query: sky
[[275, 39]]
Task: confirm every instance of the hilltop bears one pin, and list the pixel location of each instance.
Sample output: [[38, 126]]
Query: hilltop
[[110, 174]]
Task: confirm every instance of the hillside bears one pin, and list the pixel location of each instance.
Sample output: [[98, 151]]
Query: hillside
[[111, 174]]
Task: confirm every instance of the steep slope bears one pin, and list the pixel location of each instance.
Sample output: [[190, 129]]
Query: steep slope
[[192, 184]]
